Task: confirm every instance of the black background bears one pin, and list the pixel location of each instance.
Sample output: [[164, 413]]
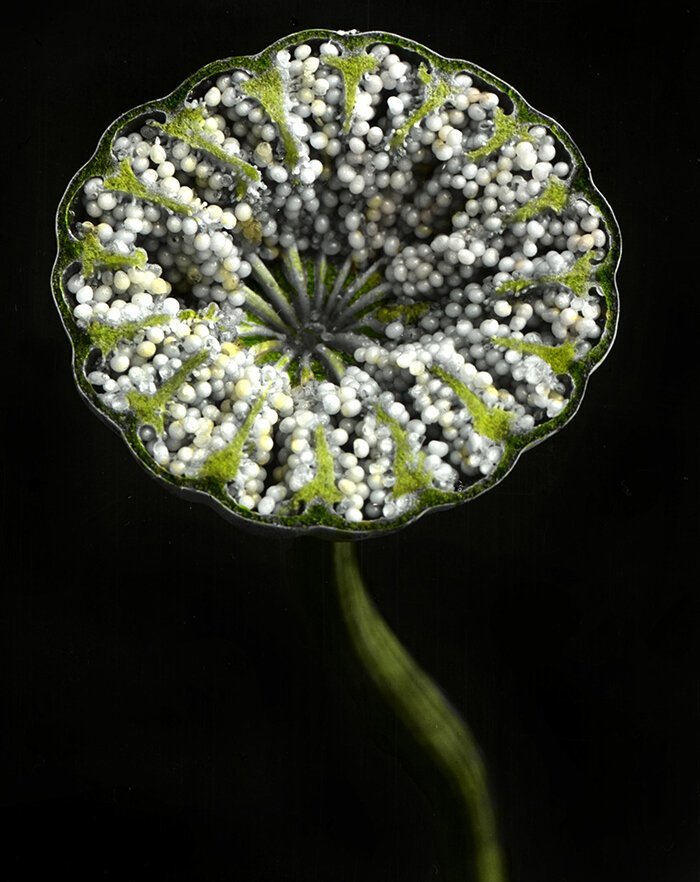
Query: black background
[[173, 711]]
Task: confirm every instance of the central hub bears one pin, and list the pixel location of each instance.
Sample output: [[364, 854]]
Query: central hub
[[308, 337]]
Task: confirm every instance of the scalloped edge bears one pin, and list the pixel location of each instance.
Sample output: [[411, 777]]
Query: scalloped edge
[[317, 521]]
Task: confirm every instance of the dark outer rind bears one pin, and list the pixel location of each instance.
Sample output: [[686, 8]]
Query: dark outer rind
[[317, 520]]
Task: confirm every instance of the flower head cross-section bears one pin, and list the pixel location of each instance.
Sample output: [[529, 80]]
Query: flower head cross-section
[[337, 284]]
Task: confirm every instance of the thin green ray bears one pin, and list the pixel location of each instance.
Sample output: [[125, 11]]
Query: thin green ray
[[577, 279], [333, 360], [269, 356], [555, 196], [364, 303], [125, 181], [189, 125], [559, 358], [352, 68], [293, 262], [322, 485], [268, 88], [505, 128], [262, 309], [275, 293], [267, 351], [310, 275], [350, 286], [150, 409], [317, 288], [437, 92], [331, 273], [363, 284], [408, 466], [250, 336], [305, 371], [493, 422], [92, 253], [295, 276]]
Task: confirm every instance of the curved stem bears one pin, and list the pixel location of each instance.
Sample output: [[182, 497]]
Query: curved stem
[[467, 829]]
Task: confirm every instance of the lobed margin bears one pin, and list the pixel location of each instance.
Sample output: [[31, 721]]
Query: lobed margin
[[316, 520]]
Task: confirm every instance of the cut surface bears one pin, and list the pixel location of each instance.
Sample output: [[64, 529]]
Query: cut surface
[[337, 284]]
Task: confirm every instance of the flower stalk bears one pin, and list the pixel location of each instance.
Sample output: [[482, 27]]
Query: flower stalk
[[436, 740]]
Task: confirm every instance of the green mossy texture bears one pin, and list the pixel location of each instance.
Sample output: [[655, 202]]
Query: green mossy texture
[[578, 279], [223, 465], [317, 519], [506, 126], [106, 337], [555, 197], [125, 181], [437, 92], [352, 67], [559, 358], [268, 88], [188, 126], [322, 485], [408, 466], [493, 422], [92, 253], [149, 410], [407, 313]]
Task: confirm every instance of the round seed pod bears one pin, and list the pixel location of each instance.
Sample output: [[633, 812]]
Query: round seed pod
[[336, 285]]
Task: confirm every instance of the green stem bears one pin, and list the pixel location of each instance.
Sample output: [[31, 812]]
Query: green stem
[[439, 739]]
